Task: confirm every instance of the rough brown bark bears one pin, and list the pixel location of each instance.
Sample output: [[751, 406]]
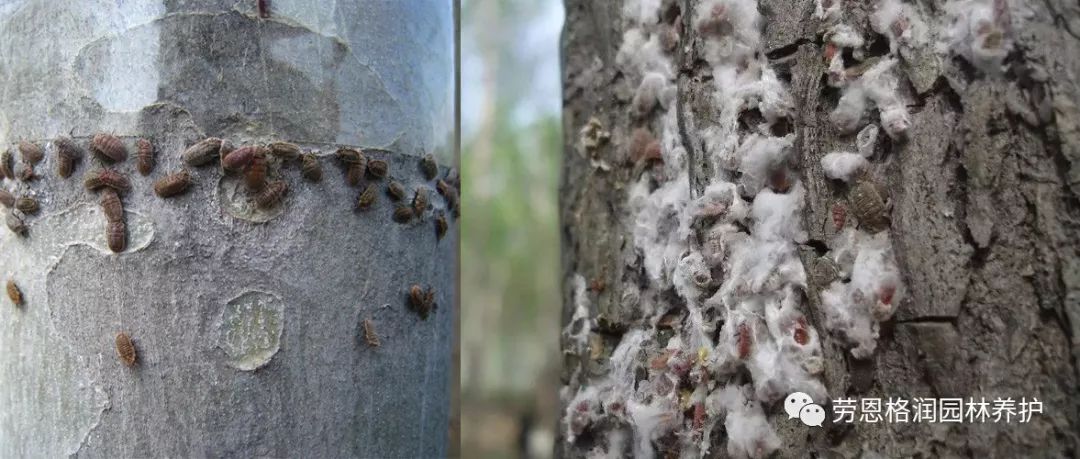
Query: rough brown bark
[[984, 224]]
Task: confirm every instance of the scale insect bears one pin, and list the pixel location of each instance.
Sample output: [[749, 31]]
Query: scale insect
[[144, 152], [14, 293], [101, 178], [116, 235], [111, 205], [172, 184], [202, 152], [370, 337], [272, 194], [27, 205], [310, 167], [67, 154], [367, 197], [378, 168], [125, 349], [108, 147], [429, 167]]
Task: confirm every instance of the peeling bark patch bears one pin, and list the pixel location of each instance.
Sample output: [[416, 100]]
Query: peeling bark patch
[[250, 328], [84, 223]]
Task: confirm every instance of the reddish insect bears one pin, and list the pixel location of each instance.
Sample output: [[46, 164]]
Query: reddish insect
[[111, 205], [239, 158], [745, 341], [839, 216], [172, 184], [264, 8], [100, 178], [108, 147], [800, 333], [125, 348], [885, 293], [116, 235], [272, 194], [144, 152], [255, 177]]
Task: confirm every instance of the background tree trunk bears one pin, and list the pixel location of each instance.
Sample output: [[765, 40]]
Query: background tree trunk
[[984, 224], [246, 323]]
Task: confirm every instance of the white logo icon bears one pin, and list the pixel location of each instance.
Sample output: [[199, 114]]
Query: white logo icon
[[795, 402], [812, 415]]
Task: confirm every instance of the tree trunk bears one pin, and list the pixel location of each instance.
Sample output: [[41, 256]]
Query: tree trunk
[[731, 263], [247, 323]]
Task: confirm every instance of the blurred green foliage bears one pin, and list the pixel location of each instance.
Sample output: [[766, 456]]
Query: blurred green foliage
[[510, 159]]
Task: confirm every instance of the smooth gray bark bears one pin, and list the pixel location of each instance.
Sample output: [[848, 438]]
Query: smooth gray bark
[[984, 222], [247, 324]]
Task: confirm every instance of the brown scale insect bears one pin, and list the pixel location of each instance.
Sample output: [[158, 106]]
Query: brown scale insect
[[440, 226], [15, 224], [367, 197], [125, 348], [350, 156], [144, 152], [6, 198], [354, 175], [26, 172], [116, 235], [403, 214], [111, 205], [310, 167], [202, 152], [264, 8], [108, 147], [428, 166], [378, 168], [239, 158], [395, 190], [369, 333], [255, 177], [101, 178], [449, 193], [868, 201], [745, 341], [31, 152], [272, 194], [5, 165], [27, 205], [284, 150], [420, 201], [421, 301], [67, 154], [172, 184], [14, 293]]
